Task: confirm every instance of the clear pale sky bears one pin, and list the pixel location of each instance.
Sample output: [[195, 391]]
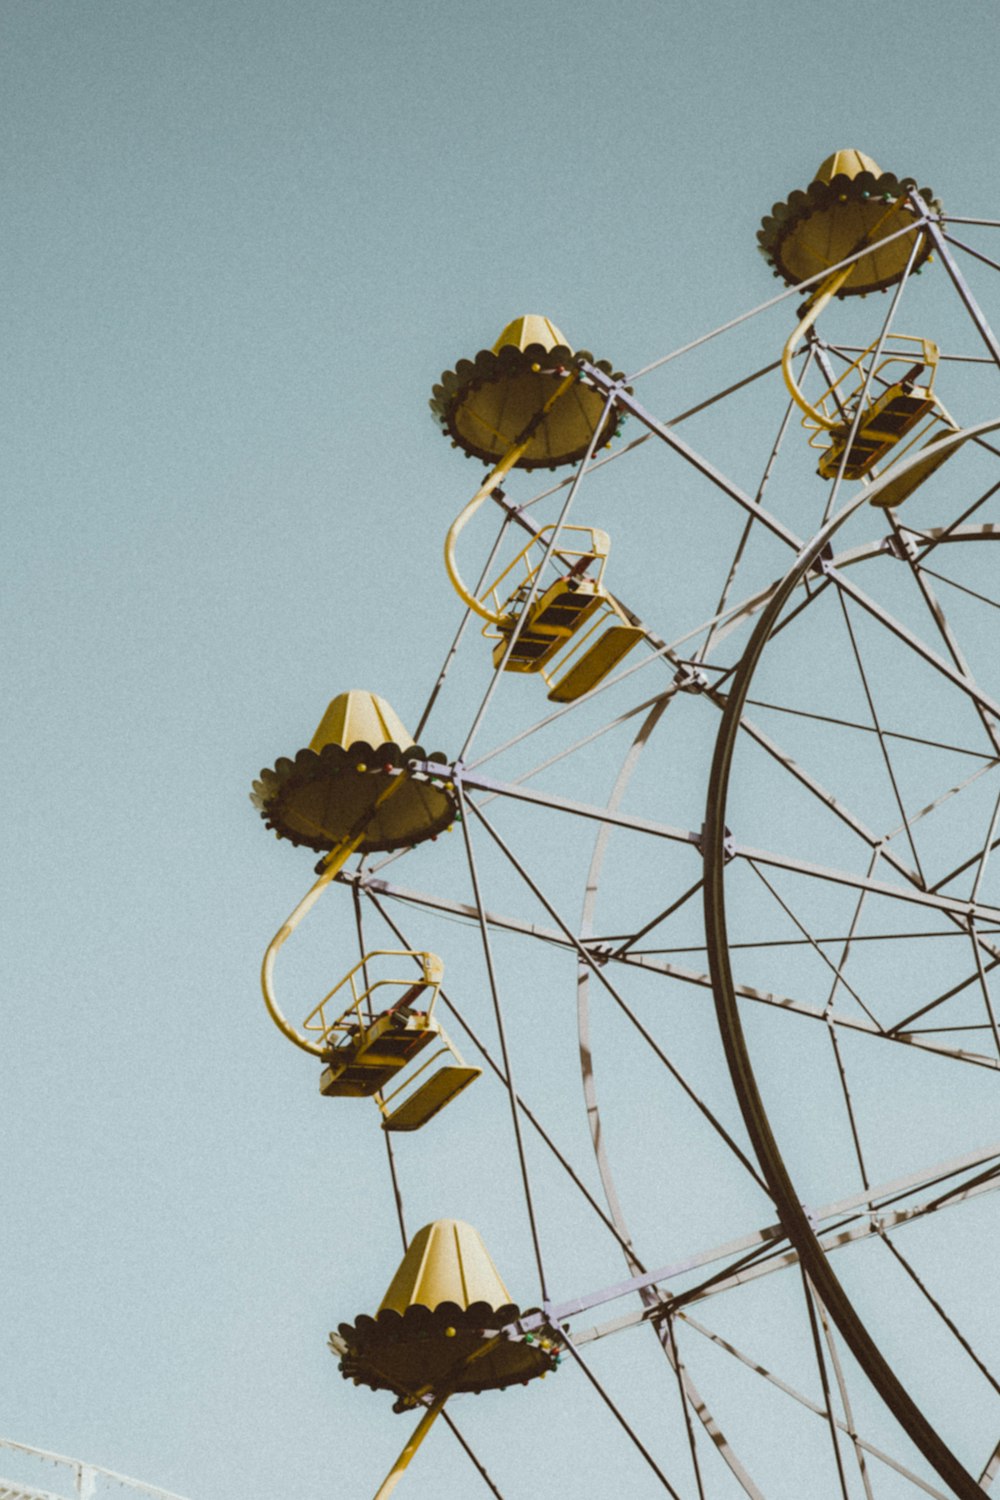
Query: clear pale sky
[[242, 241]]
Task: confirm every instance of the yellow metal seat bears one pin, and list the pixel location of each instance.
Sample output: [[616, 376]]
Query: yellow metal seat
[[564, 619], [561, 611], [903, 412], [366, 1050], [367, 1058], [889, 418]]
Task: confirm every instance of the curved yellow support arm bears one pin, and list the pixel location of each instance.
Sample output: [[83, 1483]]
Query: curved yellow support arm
[[827, 290], [332, 865], [413, 1443], [339, 858], [429, 1417], [486, 489]]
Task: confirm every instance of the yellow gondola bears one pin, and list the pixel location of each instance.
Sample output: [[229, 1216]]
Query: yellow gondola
[[526, 404], [368, 1045], [561, 634], [444, 1326], [900, 411]]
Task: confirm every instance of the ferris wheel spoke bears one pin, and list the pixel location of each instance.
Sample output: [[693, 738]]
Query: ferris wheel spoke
[[848, 1424], [480, 1468], [937, 236], [668, 911], [976, 254], [992, 1468], [736, 563], [827, 1409], [837, 970], [932, 900], [939, 801], [505, 1052], [691, 411], [796, 1395], [886, 757], [588, 739], [520, 793], [939, 1310], [984, 986], [452, 651], [961, 587], [947, 634], [967, 863], [845, 1090], [959, 679], [889, 734], [875, 1210], [957, 530], [902, 1026], [597, 970], [498, 1071], [619, 1418], [603, 952], [826, 798], [684, 450]]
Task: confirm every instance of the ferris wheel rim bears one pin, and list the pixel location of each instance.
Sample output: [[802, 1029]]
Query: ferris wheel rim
[[788, 1202]]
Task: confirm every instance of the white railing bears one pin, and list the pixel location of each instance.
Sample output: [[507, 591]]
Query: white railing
[[82, 1476]]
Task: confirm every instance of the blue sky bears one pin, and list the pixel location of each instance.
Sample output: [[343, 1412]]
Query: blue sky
[[242, 242]]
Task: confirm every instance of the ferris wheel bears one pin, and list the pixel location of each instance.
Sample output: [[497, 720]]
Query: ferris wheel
[[735, 786]]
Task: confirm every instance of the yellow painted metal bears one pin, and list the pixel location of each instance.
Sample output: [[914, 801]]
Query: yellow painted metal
[[331, 865], [429, 1096], [901, 410], [443, 1325], [531, 328], [564, 622], [507, 462], [421, 1430], [824, 294], [825, 236], [595, 663], [370, 1044], [359, 715], [336, 786], [847, 163], [897, 490], [513, 402], [328, 1018], [446, 1262]]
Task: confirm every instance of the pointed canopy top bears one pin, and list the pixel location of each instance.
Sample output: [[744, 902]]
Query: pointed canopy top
[[847, 163], [446, 1262], [359, 715], [532, 328]]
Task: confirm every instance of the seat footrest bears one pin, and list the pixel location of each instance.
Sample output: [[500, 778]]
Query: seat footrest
[[595, 663], [898, 490], [431, 1096]]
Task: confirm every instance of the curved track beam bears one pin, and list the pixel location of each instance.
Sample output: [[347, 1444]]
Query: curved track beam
[[793, 1217]]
